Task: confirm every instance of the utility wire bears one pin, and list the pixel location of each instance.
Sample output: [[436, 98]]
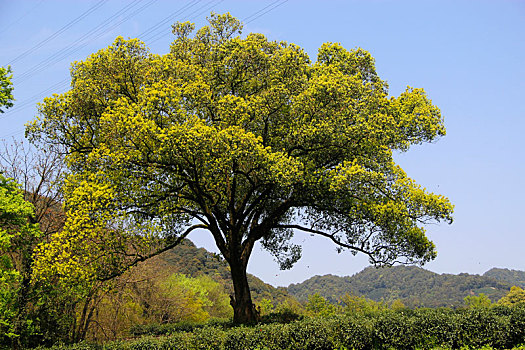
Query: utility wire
[[272, 6], [67, 50], [260, 13], [12, 134], [29, 101], [4, 29], [95, 33], [163, 34], [78, 42], [60, 31], [169, 18]]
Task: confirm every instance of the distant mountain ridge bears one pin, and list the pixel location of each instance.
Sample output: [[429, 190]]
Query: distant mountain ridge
[[414, 286]]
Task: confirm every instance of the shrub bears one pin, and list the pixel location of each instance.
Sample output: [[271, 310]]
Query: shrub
[[484, 328], [352, 332]]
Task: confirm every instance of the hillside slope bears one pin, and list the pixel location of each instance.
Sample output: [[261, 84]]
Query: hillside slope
[[513, 277], [415, 286], [187, 259]]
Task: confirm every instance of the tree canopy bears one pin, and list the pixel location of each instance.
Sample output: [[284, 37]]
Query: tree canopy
[[241, 136]]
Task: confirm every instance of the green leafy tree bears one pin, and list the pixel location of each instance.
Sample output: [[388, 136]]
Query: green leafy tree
[[265, 306], [6, 88], [397, 305], [193, 299], [15, 231], [46, 313], [319, 306], [240, 136], [480, 301], [354, 304]]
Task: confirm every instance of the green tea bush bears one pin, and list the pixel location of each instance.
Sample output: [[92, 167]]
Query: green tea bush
[[516, 332], [480, 328], [282, 316], [312, 334], [434, 327], [393, 330], [170, 328], [352, 332]]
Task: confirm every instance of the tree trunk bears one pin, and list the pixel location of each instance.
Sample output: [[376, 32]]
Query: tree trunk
[[244, 311]]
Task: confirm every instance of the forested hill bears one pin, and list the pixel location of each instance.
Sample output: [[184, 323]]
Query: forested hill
[[514, 277], [187, 259], [416, 287]]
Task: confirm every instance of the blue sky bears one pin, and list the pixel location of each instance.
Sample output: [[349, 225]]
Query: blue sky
[[468, 55]]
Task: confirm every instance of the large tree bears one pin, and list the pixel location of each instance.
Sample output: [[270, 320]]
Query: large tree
[[243, 137]]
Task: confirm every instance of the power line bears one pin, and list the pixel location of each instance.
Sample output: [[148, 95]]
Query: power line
[[64, 52], [257, 15], [169, 18], [78, 42], [60, 31], [12, 134], [29, 101], [95, 33], [258, 11], [162, 35], [68, 50], [21, 17]]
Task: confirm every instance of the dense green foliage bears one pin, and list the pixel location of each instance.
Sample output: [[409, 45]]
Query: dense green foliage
[[30, 313], [240, 136], [37, 312], [498, 328], [514, 277], [15, 230], [477, 301], [414, 286], [6, 88]]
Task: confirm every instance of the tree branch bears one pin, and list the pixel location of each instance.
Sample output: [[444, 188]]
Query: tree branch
[[332, 238], [141, 258]]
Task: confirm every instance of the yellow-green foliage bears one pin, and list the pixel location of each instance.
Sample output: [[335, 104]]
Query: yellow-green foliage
[[6, 88], [265, 306], [193, 299], [15, 231], [142, 297], [354, 304], [319, 306], [242, 135], [397, 305], [516, 296], [477, 301]]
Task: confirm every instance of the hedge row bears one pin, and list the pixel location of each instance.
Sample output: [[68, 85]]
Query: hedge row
[[497, 328]]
